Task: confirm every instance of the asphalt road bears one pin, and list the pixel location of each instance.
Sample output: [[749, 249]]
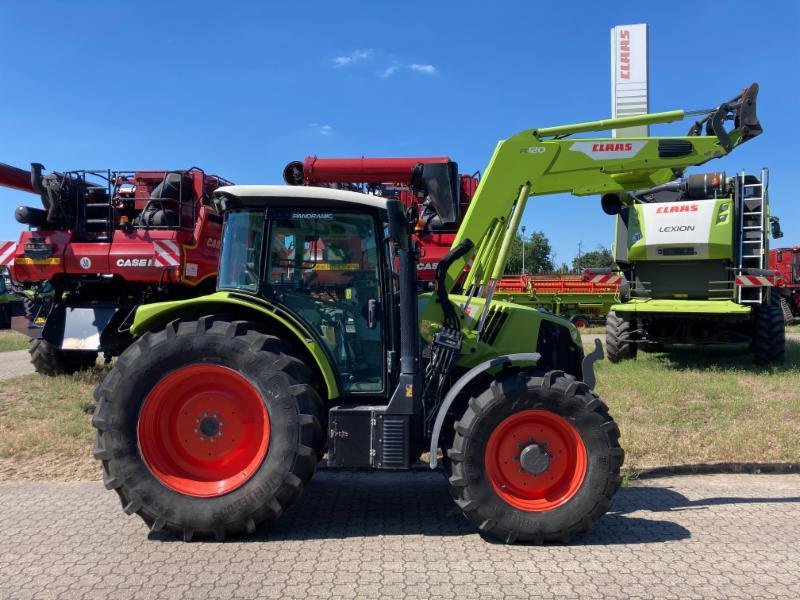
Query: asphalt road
[[14, 364], [397, 535]]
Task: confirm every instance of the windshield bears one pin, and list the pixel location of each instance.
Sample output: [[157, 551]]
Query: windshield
[[240, 259]]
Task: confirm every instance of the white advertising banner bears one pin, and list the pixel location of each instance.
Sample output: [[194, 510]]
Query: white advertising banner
[[629, 76]]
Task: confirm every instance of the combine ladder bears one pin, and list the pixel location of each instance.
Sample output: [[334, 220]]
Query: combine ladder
[[752, 237]]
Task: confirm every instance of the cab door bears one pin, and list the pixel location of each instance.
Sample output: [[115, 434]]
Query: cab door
[[324, 266]]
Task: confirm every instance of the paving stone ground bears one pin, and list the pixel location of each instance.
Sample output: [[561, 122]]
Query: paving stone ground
[[390, 535]]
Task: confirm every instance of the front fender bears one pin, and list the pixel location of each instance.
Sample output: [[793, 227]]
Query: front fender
[[463, 381], [152, 316]]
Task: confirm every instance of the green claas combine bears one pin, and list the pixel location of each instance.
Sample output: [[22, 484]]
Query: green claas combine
[[318, 343], [694, 253]]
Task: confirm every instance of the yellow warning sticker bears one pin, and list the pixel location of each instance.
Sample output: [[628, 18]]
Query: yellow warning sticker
[[37, 261]]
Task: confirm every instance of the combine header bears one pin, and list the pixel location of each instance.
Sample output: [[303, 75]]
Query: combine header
[[580, 298], [103, 243]]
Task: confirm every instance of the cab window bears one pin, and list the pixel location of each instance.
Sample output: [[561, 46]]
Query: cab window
[[240, 258]]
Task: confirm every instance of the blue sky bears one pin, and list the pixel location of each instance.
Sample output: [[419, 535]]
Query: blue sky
[[242, 88]]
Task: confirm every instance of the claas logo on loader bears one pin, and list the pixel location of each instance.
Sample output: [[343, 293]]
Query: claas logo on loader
[[683, 208], [612, 147]]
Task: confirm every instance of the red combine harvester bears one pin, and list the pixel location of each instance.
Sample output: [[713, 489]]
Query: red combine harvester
[[432, 185], [103, 243], [786, 262]]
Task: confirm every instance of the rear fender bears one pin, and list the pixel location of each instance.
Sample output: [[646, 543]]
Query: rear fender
[[154, 316]]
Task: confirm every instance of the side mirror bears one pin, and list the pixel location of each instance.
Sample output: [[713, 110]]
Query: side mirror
[[775, 227]]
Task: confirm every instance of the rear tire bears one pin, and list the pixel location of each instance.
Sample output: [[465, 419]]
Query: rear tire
[[619, 345], [51, 361], [769, 333], [161, 472], [563, 416]]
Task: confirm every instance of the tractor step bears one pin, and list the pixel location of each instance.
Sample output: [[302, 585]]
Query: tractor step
[[366, 436]]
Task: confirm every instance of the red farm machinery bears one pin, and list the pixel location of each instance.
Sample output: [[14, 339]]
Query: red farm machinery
[[786, 262], [103, 243]]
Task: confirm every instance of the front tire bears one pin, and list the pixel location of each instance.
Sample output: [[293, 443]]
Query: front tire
[[619, 345], [207, 428], [769, 333], [553, 416]]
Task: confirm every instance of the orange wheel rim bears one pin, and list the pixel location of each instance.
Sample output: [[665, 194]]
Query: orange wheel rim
[[203, 430], [559, 448]]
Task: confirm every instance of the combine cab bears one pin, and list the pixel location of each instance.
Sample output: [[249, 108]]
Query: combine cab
[[103, 243]]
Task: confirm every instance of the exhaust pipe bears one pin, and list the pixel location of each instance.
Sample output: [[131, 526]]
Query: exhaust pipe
[[36, 178]]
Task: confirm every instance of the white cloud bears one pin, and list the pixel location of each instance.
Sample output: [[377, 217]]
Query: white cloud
[[325, 130], [353, 57], [388, 71], [426, 69]]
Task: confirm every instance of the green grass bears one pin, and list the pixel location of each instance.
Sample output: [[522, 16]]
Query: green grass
[[793, 328], [694, 406], [682, 407], [11, 340], [45, 426]]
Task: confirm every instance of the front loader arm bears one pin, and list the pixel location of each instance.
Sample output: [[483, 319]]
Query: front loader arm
[[541, 161]]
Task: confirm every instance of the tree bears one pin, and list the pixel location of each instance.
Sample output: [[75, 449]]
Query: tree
[[537, 254], [596, 259]]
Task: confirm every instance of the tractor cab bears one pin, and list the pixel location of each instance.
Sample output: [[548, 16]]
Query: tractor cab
[[322, 260]]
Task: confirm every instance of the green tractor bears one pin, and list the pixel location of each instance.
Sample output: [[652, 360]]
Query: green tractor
[[319, 343]]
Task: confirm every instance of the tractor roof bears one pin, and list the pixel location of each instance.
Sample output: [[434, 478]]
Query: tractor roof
[[270, 195]]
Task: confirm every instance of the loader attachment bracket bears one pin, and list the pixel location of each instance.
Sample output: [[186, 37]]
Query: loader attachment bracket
[[741, 110]]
